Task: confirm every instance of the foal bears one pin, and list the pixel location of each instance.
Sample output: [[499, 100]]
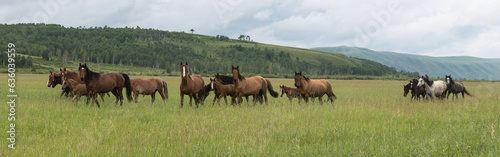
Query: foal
[[221, 90], [290, 92]]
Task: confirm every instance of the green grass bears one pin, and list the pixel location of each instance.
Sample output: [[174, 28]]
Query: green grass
[[369, 118]]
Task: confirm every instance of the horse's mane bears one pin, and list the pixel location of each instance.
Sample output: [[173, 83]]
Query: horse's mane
[[428, 81], [307, 79], [91, 76], [208, 88], [241, 77], [451, 80], [225, 79]]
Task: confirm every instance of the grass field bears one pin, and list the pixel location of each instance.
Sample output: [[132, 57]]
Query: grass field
[[369, 118]]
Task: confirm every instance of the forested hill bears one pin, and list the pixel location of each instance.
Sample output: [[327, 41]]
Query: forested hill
[[50, 46]]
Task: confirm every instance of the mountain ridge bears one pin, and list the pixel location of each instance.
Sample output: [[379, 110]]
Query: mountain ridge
[[463, 67]]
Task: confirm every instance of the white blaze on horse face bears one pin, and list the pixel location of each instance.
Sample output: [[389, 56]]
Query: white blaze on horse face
[[48, 82], [448, 80], [183, 71], [212, 85]]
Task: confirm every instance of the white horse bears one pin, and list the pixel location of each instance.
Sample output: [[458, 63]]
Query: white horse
[[432, 88]]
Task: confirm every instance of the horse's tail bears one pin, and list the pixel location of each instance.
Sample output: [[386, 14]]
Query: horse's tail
[[128, 87], [330, 91], [270, 88], [467, 92], [165, 90]]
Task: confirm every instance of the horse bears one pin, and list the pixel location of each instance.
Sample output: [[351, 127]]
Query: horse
[[66, 73], [225, 80], [432, 88], [251, 86], [455, 87], [192, 85], [54, 80], [417, 91], [314, 88], [290, 92], [77, 89], [149, 87], [112, 82], [221, 90]]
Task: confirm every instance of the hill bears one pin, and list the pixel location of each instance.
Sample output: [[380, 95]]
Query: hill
[[48, 47], [459, 67]]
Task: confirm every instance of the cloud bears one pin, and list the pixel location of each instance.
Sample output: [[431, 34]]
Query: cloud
[[438, 28]]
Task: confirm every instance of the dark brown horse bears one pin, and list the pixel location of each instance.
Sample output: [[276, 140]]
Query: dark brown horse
[[416, 92], [68, 74], [290, 92], [54, 80], [191, 85], [314, 88], [149, 87], [251, 86], [455, 87], [221, 90], [112, 82]]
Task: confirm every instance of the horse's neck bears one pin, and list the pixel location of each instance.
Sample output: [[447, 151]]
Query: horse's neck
[[187, 80]]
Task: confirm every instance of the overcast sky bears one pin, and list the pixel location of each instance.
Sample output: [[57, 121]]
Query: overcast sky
[[427, 27]]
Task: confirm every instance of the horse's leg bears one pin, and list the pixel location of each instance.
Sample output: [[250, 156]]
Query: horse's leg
[[215, 98], [182, 99], [94, 97], [116, 96], [197, 99], [225, 99], [320, 99], [74, 98], [463, 96], [153, 97], [136, 95], [191, 100], [102, 96]]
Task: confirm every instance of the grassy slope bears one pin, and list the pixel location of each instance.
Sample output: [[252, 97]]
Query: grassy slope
[[460, 67], [370, 118]]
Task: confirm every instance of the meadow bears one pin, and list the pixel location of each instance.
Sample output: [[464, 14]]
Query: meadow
[[369, 118]]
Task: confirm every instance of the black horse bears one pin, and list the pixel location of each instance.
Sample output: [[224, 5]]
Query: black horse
[[455, 87]]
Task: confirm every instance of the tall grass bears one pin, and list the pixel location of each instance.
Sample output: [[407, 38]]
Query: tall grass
[[369, 118]]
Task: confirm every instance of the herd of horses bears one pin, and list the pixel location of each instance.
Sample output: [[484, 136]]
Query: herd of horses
[[86, 82], [434, 89]]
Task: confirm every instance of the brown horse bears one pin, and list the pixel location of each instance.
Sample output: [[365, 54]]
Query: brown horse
[[191, 85], [225, 80], [290, 92], [54, 80], [221, 90], [68, 74], [416, 92], [251, 86], [77, 89], [313, 88], [149, 87], [112, 82]]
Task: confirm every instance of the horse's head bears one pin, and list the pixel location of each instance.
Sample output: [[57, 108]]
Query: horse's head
[[448, 79], [64, 74], [236, 73], [421, 81], [407, 88], [298, 79], [282, 90], [83, 69], [212, 82], [65, 82], [184, 70], [51, 79]]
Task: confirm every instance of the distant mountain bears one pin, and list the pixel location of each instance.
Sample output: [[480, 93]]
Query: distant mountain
[[462, 67]]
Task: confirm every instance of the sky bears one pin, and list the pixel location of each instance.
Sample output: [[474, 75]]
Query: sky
[[424, 27]]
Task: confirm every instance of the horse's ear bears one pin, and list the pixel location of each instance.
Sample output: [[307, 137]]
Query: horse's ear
[[186, 63], [238, 67], [85, 65], [60, 69], [51, 72], [64, 69], [181, 63], [300, 73]]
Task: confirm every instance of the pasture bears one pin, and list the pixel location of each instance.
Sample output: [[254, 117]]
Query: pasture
[[369, 118]]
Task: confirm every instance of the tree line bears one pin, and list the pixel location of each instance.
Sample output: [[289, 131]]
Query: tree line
[[165, 50]]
